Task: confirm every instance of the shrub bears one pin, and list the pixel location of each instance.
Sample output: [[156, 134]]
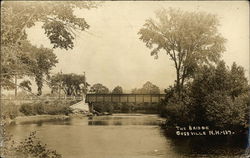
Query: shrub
[[177, 113], [104, 107], [29, 147], [224, 112], [9, 110], [217, 97], [57, 107], [45, 107], [108, 108], [26, 109], [33, 147], [66, 110], [39, 108], [117, 107], [125, 108]]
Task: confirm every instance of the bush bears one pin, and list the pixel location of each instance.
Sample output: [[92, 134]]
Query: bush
[[125, 108], [51, 108], [104, 107], [177, 111], [9, 110], [39, 108], [30, 147], [27, 109], [217, 97], [57, 107], [224, 112], [33, 147]]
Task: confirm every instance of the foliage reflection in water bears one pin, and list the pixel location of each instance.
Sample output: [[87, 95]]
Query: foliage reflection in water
[[125, 135]]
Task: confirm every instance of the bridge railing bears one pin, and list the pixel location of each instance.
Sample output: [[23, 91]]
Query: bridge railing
[[115, 98], [125, 98]]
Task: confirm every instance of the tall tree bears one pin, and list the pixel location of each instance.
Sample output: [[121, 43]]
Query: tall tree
[[45, 60], [189, 38], [239, 83], [147, 88], [218, 95], [72, 84], [36, 62], [98, 88], [57, 19], [117, 90]]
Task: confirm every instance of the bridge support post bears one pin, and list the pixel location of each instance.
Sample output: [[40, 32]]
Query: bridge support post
[[135, 99], [91, 108]]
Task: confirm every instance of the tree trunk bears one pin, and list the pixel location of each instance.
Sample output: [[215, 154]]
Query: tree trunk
[[183, 77], [178, 82]]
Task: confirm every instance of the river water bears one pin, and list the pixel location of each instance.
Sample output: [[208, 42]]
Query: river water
[[123, 136]]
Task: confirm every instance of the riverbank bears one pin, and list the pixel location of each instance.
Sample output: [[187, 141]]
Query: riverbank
[[21, 119], [13, 111], [37, 118]]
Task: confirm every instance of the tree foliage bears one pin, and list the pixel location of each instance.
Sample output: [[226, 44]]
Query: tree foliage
[[117, 90], [215, 92], [26, 84], [31, 146], [59, 21], [98, 88], [238, 81], [29, 61], [38, 62], [218, 96], [189, 38], [147, 88], [71, 84], [60, 25]]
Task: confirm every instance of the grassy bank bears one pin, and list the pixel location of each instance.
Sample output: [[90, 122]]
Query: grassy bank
[[11, 110]]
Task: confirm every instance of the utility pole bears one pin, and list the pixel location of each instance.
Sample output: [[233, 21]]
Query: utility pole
[[84, 80], [60, 84], [15, 85], [84, 84]]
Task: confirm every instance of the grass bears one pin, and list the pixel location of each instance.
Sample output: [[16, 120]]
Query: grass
[[11, 109]]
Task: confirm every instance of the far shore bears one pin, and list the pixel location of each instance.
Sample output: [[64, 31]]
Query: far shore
[[22, 119]]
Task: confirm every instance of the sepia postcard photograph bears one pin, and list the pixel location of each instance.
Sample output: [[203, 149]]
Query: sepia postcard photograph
[[124, 79]]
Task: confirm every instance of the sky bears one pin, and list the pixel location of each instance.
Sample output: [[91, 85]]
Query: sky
[[111, 53]]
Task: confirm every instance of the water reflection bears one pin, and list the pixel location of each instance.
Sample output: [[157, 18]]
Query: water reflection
[[65, 121], [122, 120], [123, 135], [209, 146]]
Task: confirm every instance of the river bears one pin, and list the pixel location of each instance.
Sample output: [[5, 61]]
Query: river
[[122, 136]]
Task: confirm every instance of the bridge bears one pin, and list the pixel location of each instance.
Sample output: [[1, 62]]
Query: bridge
[[124, 98], [94, 98]]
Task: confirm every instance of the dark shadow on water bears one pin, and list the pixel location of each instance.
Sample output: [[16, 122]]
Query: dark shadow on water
[[98, 123], [119, 123], [122, 121], [66, 121], [209, 146]]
